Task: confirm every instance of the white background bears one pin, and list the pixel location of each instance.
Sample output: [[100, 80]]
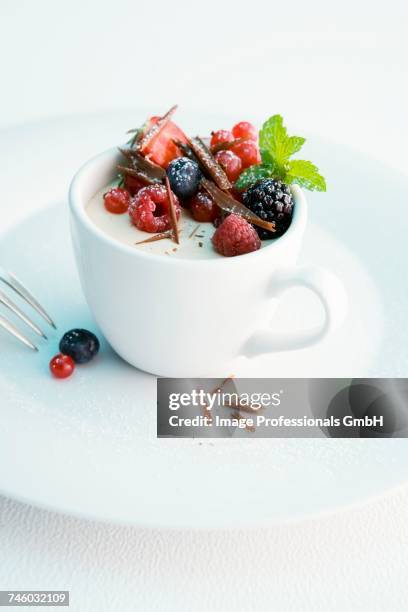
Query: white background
[[340, 71]]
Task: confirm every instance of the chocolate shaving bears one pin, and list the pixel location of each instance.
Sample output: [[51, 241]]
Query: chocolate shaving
[[156, 237], [184, 148], [194, 231], [156, 129], [209, 163], [224, 146], [143, 178], [143, 165], [172, 212], [228, 204]]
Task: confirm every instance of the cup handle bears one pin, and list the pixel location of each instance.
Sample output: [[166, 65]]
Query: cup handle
[[328, 288]]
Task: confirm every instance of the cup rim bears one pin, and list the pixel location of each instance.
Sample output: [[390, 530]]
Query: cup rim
[[77, 208]]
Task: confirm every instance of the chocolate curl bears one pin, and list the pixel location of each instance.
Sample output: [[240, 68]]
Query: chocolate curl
[[156, 237], [172, 211], [143, 165], [209, 163], [143, 178], [225, 146], [230, 205]]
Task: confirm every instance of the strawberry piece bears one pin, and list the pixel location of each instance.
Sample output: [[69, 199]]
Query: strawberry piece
[[161, 150]]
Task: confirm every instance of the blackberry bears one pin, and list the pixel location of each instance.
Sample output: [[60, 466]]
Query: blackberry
[[80, 344], [184, 177], [272, 201]]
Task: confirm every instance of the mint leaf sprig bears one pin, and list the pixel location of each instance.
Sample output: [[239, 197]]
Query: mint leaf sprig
[[276, 149]]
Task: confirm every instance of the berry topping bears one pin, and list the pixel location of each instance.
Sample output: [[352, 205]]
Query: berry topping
[[209, 163], [220, 136], [62, 366], [117, 200], [203, 208], [184, 177], [80, 344], [277, 149], [235, 236], [161, 149], [149, 209], [248, 152], [231, 164], [272, 201], [244, 129], [133, 184]]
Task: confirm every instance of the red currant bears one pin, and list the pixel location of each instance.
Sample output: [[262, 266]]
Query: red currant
[[244, 129], [62, 366], [203, 208], [117, 200], [231, 164], [220, 136], [133, 184], [248, 153]]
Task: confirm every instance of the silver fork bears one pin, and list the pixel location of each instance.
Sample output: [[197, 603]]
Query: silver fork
[[15, 285]]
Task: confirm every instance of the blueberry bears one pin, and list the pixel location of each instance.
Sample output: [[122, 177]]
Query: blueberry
[[80, 344], [184, 177]]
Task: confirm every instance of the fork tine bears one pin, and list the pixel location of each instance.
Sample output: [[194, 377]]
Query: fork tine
[[14, 332], [5, 300], [24, 293]]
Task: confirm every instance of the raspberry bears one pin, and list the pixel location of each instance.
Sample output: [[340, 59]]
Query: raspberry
[[231, 164], [220, 136], [244, 129], [203, 208], [117, 200], [248, 153], [272, 201], [149, 209], [235, 236]]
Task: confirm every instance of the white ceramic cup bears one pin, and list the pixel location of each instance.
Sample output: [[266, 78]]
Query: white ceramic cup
[[187, 317]]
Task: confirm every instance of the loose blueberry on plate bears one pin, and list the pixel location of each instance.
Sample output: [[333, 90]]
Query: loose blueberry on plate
[[80, 344], [184, 177]]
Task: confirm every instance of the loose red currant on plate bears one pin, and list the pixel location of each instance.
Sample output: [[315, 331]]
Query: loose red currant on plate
[[117, 200], [149, 209], [248, 152], [203, 208], [244, 129], [62, 366], [220, 136], [231, 164]]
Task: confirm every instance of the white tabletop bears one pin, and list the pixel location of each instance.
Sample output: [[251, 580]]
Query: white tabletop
[[340, 71]]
